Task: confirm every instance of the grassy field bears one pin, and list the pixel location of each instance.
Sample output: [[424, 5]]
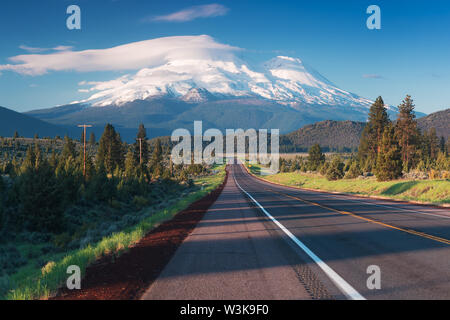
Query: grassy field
[[290, 156], [35, 283], [427, 191]]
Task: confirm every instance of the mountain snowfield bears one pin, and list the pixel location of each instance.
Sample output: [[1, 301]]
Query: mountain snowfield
[[213, 71]]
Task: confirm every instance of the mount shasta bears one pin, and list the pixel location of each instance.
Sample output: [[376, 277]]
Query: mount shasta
[[200, 79]]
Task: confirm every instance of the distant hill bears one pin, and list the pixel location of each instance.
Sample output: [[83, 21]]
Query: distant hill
[[28, 126], [330, 135], [439, 120], [344, 135]]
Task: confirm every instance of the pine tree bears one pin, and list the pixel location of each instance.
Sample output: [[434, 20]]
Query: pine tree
[[110, 153], [430, 144], [38, 156], [323, 169], [336, 169], [69, 150], [370, 143], [442, 162], [130, 164], [40, 206], [282, 166], [142, 134], [406, 132], [354, 171], [30, 160], [90, 168], [389, 161], [156, 161], [92, 139], [53, 160], [442, 146], [316, 157], [100, 188]]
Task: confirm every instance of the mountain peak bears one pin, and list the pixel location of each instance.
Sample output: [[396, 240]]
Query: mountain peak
[[206, 73], [197, 95]]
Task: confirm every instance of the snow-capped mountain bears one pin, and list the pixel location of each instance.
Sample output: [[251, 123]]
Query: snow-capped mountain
[[200, 77], [184, 79]]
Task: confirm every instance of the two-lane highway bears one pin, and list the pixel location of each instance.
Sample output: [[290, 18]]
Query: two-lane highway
[[264, 241]]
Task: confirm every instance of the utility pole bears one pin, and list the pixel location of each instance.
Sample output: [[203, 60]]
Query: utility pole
[[140, 150], [84, 126]]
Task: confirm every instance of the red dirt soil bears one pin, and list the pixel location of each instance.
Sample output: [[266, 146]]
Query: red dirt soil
[[128, 276]]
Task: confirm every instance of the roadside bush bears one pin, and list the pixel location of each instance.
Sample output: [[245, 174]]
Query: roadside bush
[[442, 162], [336, 169], [37, 237], [62, 240], [140, 202], [48, 268], [324, 168], [10, 259], [85, 242], [47, 248], [315, 158], [110, 230], [354, 171], [129, 220], [368, 165], [40, 207]]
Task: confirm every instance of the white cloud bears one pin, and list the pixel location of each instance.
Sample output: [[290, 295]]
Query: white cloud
[[131, 56], [191, 13], [63, 48], [38, 50], [31, 49]]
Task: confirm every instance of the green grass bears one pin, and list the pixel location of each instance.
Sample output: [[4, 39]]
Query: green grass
[[428, 191], [33, 283]]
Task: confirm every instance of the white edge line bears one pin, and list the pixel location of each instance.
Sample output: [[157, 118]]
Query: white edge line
[[343, 285]]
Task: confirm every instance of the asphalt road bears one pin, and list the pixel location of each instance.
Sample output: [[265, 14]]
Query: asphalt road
[[264, 241]]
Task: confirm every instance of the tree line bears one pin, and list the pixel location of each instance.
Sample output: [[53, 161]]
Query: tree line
[[387, 149], [37, 190]]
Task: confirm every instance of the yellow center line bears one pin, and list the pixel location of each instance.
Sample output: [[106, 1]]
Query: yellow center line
[[410, 231]]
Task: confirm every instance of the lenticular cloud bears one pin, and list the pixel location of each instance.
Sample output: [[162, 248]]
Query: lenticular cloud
[[132, 56]]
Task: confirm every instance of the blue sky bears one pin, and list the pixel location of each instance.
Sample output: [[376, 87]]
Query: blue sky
[[409, 55]]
